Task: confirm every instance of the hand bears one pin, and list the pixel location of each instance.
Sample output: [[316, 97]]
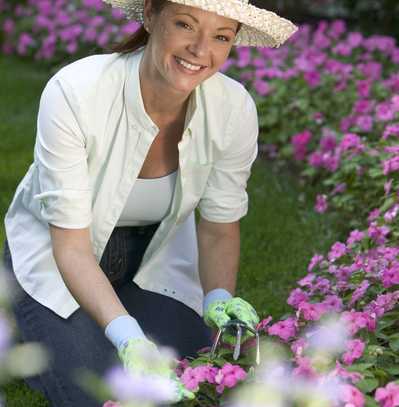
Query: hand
[[141, 356], [219, 312]]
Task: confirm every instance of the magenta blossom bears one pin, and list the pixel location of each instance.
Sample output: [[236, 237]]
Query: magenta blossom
[[388, 396], [285, 329], [321, 205], [354, 350], [351, 396], [228, 376]]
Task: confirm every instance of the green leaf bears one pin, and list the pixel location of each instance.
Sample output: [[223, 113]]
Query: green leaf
[[370, 402], [392, 370], [394, 345], [387, 204], [359, 367], [367, 385]]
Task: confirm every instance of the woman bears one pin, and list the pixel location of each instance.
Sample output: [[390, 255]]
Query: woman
[[101, 232]]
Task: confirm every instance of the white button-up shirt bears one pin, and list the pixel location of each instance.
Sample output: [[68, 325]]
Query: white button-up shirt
[[93, 135]]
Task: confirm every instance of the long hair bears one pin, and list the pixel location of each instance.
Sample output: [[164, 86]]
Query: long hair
[[140, 37]]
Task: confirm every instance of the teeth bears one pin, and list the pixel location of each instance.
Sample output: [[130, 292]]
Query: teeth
[[187, 65]]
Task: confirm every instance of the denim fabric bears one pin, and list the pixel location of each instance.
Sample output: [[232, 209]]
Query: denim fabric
[[78, 343]]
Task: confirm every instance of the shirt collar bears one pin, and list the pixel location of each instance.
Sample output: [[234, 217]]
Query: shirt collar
[[134, 100]]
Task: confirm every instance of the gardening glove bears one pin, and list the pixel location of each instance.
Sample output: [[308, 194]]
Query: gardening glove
[[141, 356], [220, 307]]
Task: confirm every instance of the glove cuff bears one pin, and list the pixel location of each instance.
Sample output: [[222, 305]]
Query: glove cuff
[[218, 294], [123, 328]]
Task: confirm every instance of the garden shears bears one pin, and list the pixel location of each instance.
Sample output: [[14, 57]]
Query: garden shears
[[239, 327]]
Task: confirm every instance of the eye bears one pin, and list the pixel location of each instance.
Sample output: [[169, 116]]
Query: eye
[[223, 38], [182, 24]]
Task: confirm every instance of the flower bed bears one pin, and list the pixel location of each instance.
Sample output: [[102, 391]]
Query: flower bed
[[329, 105]]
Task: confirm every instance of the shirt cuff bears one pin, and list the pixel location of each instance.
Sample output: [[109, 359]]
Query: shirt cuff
[[218, 294], [123, 328]]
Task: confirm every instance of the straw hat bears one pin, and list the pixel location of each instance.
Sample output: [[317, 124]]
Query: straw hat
[[260, 28]]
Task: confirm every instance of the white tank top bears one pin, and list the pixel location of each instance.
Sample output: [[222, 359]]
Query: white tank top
[[149, 201]]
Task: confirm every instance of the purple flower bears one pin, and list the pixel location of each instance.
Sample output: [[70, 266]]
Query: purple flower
[[296, 297], [390, 165], [384, 112], [391, 213], [328, 143], [355, 236], [285, 329], [391, 130], [390, 276], [337, 250], [321, 203], [359, 292], [354, 350], [299, 142], [312, 78], [315, 260], [388, 396], [378, 233], [262, 87], [365, 123]]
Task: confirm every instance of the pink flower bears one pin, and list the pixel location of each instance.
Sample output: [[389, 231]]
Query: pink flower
[[388, 396], [355, 236], [285, 329], [362, 106], [351, 396], [359, 292], [304, 368], [328, 143], [365, 123], [345, 374], [390, 276], [299, 142], [321, 203], [390, 165], [391, 213], [378, 233], [111, 404], [262, 87], [337, 250], [312, 78], [262, 326], [228, 376], [333, 303], [312, 311], [354, 350], [391, 130], [296, 297], [384, 112], [314, 261], [373, 215], [352, 142]]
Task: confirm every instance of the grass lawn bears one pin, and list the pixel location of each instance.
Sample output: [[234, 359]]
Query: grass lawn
[[279, 235]]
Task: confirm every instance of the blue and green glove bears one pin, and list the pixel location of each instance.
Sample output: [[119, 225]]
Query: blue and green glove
[[141, 356], [219, 307]]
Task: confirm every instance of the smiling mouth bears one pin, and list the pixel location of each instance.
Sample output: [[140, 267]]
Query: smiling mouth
[[187, 65]]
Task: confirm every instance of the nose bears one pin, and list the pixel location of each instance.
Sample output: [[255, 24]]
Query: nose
[[199, 46]]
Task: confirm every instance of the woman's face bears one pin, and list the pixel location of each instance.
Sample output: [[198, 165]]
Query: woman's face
[[187, 45]]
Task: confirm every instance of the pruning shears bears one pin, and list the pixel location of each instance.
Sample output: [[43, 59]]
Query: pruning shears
[[238, 327]]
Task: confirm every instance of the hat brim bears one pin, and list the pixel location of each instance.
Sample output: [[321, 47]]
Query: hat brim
[[260, 28]]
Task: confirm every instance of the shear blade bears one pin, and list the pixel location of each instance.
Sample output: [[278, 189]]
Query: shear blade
[[237, 347]]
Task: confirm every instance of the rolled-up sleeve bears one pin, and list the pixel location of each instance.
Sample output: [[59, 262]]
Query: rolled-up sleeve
[[225, 198], [61, 159]]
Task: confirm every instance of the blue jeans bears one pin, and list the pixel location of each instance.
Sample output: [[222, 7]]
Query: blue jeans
[[79, 343]]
